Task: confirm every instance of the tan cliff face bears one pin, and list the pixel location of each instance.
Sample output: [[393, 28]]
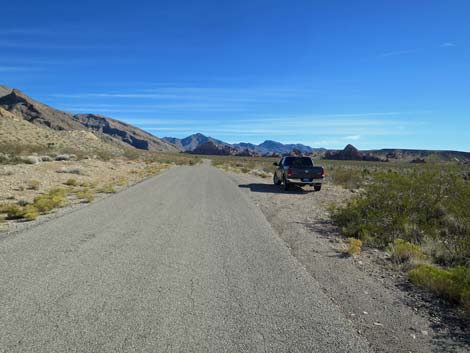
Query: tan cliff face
[[110, 131]]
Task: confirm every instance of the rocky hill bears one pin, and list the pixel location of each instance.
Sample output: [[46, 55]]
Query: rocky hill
[[107, 129], [18, 135], [123, 132]]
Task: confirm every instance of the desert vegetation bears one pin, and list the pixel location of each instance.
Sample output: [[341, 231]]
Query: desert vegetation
[[421, 215]]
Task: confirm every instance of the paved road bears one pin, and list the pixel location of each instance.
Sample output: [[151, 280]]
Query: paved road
[[182, 262]]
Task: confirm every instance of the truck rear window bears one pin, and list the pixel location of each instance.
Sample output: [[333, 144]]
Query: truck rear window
[[300, 162]]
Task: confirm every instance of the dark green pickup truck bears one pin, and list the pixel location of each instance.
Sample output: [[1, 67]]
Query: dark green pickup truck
[[298, 171]]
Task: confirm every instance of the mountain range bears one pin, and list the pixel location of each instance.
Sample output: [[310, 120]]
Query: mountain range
[[190, 143], [24, 120]]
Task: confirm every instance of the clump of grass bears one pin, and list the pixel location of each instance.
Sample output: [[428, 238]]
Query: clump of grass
[[34, 184], [54, 199], [402, 251], [122, 181], [353, 247], [30, 213], [452, 284], [14, 212], [86, 195], [71, 182], [107, 189]]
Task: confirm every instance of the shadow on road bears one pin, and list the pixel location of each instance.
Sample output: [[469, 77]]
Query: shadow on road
[[274, 189]]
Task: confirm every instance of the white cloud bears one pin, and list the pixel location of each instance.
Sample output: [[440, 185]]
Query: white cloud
[[448, 44]]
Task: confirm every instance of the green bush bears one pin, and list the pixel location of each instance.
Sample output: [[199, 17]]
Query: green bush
[[54, 199], [452, 285]]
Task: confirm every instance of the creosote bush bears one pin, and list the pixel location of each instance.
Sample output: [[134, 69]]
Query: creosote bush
[[404, 209], [452, 284], [413, 206]]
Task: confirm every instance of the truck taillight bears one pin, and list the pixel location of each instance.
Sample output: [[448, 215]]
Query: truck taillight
[[289, 172], [323, 174]]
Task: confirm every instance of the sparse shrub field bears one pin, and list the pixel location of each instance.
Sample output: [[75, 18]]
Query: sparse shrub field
[[419, 214]]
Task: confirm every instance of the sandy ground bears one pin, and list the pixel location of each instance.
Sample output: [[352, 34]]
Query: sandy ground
[[369, 290]]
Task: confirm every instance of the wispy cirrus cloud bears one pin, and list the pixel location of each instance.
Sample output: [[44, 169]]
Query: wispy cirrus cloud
[[411, 51], [448, 45], [399, 52]]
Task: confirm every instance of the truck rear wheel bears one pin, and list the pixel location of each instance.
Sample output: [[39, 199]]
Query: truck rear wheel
[[285, 184], [317, 187]]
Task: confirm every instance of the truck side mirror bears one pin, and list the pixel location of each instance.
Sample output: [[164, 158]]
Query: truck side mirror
[[276, 164]]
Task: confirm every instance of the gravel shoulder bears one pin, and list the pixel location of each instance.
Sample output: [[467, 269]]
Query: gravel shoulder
[[366, 288]]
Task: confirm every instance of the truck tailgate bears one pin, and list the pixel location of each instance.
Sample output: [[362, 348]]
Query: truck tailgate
[[307, 172]]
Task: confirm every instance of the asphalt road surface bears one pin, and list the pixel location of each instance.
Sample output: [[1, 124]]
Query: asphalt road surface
[[182, 262]]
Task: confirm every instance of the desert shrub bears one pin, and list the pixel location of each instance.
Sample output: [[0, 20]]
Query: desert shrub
[[347, 177], [14, 212], [104, 155], [353, 247], [34, 184], [107, 189], [86, 195], [402, 251], [54, 199], [411, 206], [71, 182], [30, 213], [452, 284], [132, 154]]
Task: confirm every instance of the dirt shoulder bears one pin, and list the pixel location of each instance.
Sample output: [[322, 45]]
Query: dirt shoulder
[[368, 290]]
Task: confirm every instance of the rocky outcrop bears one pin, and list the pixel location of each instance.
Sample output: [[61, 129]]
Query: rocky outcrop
[[37, 113], [351, 153]]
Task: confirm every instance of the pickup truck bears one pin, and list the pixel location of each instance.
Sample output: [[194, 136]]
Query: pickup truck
[[298, 171]]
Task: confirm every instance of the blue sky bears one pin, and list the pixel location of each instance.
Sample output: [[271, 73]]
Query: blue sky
[[377, 74]]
